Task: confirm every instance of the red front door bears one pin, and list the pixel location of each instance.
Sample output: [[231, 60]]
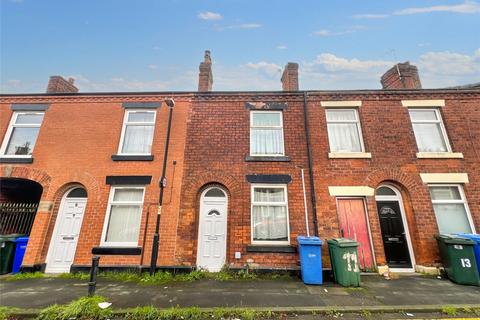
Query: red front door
[[353, 225]]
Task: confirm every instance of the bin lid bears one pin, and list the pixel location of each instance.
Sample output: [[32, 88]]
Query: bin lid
[[22, 239], [473, 236], [312, 241], [454, 239], [343, 242]]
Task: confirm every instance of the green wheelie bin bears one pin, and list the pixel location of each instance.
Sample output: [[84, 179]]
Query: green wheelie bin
[[345, 264], [7, 250], [458, 258]]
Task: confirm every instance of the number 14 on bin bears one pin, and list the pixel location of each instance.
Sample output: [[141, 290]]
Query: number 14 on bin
[[352, 261]]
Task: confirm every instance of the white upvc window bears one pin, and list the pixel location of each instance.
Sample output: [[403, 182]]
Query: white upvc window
[[123, 217], [451, 208], [22, 134], [429, 130], [344, 130], [137, 132], [270, 222], [266, 133]]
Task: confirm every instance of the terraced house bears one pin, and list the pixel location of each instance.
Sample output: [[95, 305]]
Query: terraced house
[[247, 172]]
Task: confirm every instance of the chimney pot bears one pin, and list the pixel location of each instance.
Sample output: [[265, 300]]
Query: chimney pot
[[205, 76], [401, 76], [58, 84], [290, 77]]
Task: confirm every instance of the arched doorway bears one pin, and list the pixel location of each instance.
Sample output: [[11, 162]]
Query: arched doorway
[[19, 199], [394, 228], [64, 240], [212, 229]]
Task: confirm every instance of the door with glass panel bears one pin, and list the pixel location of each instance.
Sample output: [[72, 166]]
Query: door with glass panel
[[394, 228], [212, 230], [66, 232]]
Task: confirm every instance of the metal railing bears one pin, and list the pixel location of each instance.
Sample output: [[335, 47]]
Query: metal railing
[[17, 217]]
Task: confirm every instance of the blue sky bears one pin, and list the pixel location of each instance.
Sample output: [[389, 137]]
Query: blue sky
[[124, 45]]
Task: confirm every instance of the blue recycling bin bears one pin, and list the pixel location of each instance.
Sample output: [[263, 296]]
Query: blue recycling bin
[[310, 249], [20, 247], [476, 246]]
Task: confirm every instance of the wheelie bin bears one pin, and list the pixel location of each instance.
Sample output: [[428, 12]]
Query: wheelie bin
[[7, 250], [310, 249], [476, 248], [21, 246], [344, 259], [458, 259]]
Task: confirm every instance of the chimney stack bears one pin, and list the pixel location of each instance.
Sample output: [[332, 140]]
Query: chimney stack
[[57, 84], [290, 77], [401, 76], [205, 76]]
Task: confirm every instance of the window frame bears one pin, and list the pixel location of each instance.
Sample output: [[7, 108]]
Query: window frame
[[356, 121], [463, 201], [271, 127], [285, 203], [127, 123], [442, 128], [106, 221], [8, 134]]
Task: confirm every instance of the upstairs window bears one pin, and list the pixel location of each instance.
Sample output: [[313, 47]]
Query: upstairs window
[[137, 132], [270, 215], [429, 130], [266, 133], [451, 209], [22, 134], [344, 132]]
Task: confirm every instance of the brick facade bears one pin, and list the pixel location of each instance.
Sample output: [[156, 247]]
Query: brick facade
[[210, 146]]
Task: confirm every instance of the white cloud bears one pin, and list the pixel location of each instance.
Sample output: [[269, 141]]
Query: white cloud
[[152, 66], [371, 16], [242, 26], [208, 15], [328, 33], [443, 69], [282, 47], [466, 7]]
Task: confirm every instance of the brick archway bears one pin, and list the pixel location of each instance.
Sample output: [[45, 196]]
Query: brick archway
[[80, 179], [414, 197], [189, 211], [39, 176]]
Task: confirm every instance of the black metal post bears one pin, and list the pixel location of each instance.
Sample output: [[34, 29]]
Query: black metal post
[[92, 284], [156, 237]]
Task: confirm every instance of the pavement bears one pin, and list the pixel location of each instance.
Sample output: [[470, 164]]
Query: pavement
[[376, 294]]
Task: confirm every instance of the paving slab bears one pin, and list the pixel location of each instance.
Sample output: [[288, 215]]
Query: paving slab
[[375, 291]]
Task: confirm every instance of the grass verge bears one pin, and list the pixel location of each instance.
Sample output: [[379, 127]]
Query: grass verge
[[162, 277]]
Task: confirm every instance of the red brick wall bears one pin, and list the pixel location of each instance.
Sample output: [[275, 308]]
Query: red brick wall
[[388, 135], [210, 140], [217, 143], [78, 136]]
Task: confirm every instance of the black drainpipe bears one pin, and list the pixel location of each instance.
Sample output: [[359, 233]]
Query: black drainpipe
[[310, 165]]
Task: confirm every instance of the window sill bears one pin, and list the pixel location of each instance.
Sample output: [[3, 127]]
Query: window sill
[[349, 155], [117, 157], [122, 251], [439, 155], [267, 159], [271, 248], [6, 159]]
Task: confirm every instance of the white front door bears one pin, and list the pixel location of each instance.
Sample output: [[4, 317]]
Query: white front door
[[212, 230], [65, 235]]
